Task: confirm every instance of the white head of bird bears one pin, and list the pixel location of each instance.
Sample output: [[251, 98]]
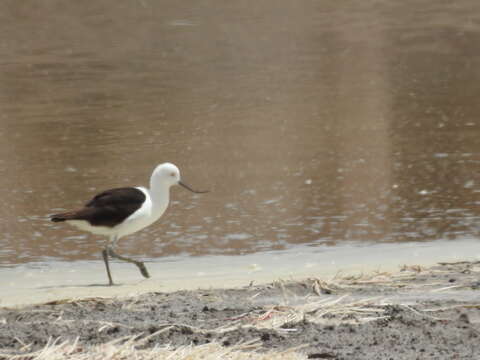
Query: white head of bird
[[167, 175]]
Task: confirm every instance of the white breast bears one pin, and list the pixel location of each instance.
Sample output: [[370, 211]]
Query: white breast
[[139, 219]]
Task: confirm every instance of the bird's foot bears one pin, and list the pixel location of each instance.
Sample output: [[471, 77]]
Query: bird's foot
[[143, 269]]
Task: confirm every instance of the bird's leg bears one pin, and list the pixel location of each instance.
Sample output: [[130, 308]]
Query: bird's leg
[[105, 259], [140, 265]]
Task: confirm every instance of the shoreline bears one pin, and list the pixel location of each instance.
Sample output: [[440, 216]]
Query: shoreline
[[43, 282]]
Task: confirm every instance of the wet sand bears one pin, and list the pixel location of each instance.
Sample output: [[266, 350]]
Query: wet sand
[[417, 312], [38, 283]]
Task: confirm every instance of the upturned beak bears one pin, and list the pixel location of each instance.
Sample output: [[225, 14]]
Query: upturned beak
[[189, 188]]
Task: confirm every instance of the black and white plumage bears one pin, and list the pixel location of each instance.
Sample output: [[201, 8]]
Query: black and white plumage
[[107, 209], [123, 211]]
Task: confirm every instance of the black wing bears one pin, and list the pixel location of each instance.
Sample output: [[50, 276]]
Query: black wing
[[119, 197], [109, 208]]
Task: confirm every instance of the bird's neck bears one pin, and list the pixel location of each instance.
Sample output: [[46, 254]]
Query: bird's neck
[[160, 194]]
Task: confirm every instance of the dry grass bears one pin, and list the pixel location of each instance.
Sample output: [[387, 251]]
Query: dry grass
[[311, 308], [128, 348], [283, 317], [326, 311]]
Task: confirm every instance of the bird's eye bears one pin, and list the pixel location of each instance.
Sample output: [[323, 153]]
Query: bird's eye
[[172, 174]]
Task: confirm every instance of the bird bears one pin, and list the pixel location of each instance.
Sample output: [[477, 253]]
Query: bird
[[123, 211]]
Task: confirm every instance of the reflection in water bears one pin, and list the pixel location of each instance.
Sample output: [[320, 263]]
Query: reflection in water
[[311, 122]]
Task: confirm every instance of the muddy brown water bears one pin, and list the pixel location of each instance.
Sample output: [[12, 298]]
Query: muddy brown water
[[313, 122]]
